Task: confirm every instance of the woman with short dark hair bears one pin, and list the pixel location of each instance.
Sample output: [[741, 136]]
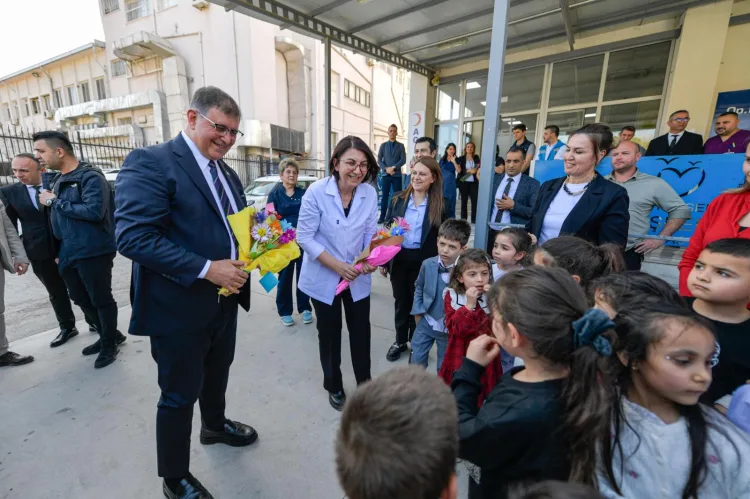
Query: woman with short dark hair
[[338, 219], [583, 203]]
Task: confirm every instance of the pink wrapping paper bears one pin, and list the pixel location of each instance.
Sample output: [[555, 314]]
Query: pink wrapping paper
[[379, 255]]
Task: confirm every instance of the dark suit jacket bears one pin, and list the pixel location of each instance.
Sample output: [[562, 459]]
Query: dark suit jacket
[[690, 143], [397, 208], [386, 158], [601, 216], [37, 232], [168, 224], [524, 198]]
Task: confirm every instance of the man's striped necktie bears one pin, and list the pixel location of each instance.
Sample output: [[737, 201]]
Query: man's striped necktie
[[226, 206]]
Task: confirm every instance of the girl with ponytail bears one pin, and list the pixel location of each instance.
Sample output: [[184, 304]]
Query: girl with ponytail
[[540, 421]]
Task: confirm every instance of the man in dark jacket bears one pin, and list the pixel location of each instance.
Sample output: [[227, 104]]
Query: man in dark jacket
[[81, 208], [22, 204]]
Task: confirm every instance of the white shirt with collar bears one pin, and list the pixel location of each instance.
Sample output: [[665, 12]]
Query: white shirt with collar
[[499, 195], [414, 216], [323, 226], [206, 171], [671, 135], [32, 194]]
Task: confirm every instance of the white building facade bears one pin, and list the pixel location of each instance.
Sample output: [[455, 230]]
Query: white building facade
[[137, 84]]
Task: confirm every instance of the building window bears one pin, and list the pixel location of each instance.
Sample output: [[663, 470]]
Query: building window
[[636, 72], [57, 96], [83, 92], [118, 68], [46, 103], [6, 113], [26, 107], [35, 109], [109, 6], [135, 9], [356, 93], [101, 91], [334, 139], [165, 4], [124, 121], [17, 113], [72, 95], [334, 89]]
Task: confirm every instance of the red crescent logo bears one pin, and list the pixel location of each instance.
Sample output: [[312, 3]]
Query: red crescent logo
[[419, 119]]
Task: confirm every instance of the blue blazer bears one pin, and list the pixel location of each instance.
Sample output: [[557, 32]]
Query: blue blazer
[[168, 224], [524, 198], [425, 287], [388, 158], [601, 216]]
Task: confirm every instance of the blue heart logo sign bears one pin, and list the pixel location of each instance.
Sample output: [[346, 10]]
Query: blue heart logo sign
[[687, 182]]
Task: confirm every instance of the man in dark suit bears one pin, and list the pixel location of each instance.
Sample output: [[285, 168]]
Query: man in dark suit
[[22, 204], [677, 142], [391, 157], [172, 204], [515, 194]]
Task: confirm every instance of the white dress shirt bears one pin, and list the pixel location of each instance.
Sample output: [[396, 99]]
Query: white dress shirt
[[559, 210], [322, 227], [670, 136], [469, 166], [206, 171], [499, 195], [414, 216], [32, 194]]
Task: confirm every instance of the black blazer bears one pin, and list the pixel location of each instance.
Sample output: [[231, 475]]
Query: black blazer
[[601, 216], [397, 208], [461, 162], [37, 232], [690, 143]]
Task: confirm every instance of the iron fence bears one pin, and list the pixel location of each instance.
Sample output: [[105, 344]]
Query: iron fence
[[108, 153]]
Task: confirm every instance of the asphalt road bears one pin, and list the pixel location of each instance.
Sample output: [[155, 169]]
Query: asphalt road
[[27, 307]]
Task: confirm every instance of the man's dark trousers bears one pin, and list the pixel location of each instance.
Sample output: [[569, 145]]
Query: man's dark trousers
[[192, 367], [89, 282], [391, 184], [48, 273]]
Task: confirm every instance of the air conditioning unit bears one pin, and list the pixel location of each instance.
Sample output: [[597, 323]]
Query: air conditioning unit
[[200, 4], [48, 115]]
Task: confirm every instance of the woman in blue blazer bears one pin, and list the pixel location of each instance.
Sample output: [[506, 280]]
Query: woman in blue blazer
[[583, 203]]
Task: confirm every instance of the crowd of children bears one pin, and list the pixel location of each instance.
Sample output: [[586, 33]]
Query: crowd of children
[[621, 388]]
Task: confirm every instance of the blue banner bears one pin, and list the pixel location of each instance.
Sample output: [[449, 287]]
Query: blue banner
[[697, 179], [738, 102]]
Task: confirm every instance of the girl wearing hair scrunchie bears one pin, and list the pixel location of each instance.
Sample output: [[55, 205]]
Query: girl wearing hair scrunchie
[[536, 423]]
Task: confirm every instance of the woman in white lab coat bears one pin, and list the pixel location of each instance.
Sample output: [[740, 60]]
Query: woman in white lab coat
[[338, 219]]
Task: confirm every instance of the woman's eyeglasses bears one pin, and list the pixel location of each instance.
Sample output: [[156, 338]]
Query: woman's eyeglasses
[[222, 130], [352, 165]]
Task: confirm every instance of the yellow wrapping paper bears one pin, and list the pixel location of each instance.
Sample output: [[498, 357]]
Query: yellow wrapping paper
[[274, 260]]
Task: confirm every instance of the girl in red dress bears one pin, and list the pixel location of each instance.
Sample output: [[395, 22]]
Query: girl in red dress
[[467, 315]]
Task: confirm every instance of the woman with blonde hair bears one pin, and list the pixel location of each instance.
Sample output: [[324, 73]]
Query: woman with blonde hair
[[287, 200], [423, 206]]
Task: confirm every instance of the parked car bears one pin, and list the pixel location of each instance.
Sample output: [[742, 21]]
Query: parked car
[[111, 176], [257, 193]]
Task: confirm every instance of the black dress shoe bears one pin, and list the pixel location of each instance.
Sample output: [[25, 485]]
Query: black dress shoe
[[63, 337], [188, 488], [93, 329], [13, 359], [96, 347], [337, 400], [394, 353], [106, 357], [234, 434]]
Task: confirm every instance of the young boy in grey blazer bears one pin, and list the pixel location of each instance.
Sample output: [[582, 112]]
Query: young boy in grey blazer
[[434, 275]]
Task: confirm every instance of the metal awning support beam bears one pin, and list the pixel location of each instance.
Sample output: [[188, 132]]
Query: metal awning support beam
[[321, 10], [396, 15], [430, 29], [565, 11], [492, 117], [271, 9]]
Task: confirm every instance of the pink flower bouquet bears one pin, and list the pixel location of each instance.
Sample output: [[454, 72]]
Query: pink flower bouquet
[[383, 248]]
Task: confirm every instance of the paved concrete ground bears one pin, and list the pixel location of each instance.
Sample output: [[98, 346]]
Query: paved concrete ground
[[70, 431]]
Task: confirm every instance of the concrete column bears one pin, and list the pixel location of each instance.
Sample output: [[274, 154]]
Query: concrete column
[[176, 92], [418, 91], [696, 64]]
